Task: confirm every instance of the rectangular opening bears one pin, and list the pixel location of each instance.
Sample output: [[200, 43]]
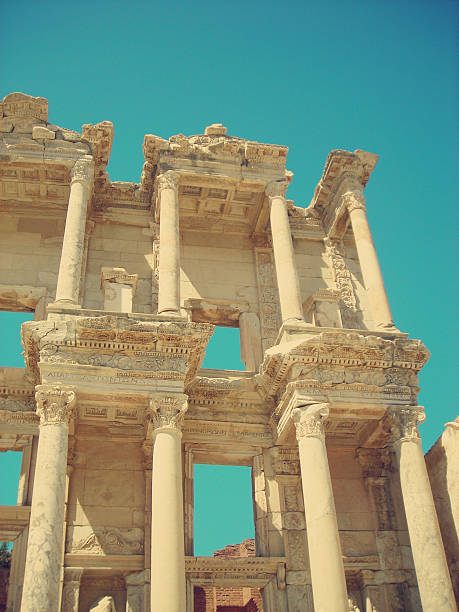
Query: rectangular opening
[[10, 469], [223, 509], [10, 333], [223, 351]]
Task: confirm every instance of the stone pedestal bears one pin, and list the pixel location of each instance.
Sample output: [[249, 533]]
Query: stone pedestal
[[168, 589], [118, 288], [284, 255], [372, 277], [432, 573], [169, 238], [55, 405], [68, 282], [325, 556]]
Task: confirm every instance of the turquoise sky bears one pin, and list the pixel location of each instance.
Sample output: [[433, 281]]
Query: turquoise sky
[[316, 76]]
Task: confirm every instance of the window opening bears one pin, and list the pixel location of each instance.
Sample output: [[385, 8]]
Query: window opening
[[10, 334], [223, 507], [10, 469], [223, 351]]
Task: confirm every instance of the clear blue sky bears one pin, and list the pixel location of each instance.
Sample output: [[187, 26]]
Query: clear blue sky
[[316, 76]]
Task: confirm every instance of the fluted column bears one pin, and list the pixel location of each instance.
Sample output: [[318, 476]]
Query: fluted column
[[284, 255], [68, 281], [354, 200], [325, 556], [55, 405], [432, 573], [168, 589], [169, 240]]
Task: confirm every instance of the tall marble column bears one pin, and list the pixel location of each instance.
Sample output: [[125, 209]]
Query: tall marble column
[[354, 200], [168, 589], [55, 406], [284, 255], [169, 239], [432, 573], [325, 556], [68, 281]]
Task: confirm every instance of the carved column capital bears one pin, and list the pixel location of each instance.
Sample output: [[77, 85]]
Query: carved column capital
[[353, 200], [404, 422], [55, 403], [166, 411], [168, 180], [82, 171], [276, 189], [309, 420]]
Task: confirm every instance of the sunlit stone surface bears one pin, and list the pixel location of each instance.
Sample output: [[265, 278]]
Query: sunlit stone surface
[[112, 410]]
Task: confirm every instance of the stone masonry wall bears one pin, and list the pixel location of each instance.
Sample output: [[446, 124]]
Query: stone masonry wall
[[230, 599]]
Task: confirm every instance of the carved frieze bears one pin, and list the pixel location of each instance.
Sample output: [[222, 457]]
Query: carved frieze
[[356, 362], [105, 540]]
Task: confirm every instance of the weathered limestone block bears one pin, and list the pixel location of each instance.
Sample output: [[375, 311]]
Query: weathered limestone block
[[40, 132], [103, 604]]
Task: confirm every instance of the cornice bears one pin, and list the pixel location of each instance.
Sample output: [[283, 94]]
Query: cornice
[[114, 349]]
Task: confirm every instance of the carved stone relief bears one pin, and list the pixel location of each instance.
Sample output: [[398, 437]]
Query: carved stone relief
[[105, 540], [268, 297], [350, 311]]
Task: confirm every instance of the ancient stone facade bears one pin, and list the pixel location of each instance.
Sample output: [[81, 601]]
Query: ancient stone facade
[[112, 410]]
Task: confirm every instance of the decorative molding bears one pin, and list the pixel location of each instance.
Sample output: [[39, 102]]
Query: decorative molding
[[309, 420], [55, 403]]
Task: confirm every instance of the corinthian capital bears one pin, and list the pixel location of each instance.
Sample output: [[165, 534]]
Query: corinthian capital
[[55, 403], [276, 189], [166, 411], [168, 180], [354, 199], [309, 420], [82, 171], [404, 422]]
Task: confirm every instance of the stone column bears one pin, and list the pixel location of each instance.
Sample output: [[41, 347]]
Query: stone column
[[168, 589], [55, 406], [325, 556], [354, 201], [68, 281], [432, 573], [169, 238], [284, 255]]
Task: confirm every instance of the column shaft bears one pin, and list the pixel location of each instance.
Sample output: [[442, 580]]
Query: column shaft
[[284, 257], [325, 556], [45, 544], [368, 258], [169, 250], [432, 573], [168, 587], [68, 282]]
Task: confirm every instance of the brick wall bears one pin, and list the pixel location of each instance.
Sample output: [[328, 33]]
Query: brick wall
[[230, 599]]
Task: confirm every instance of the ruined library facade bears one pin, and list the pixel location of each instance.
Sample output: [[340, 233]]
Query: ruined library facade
[[112, 410]]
